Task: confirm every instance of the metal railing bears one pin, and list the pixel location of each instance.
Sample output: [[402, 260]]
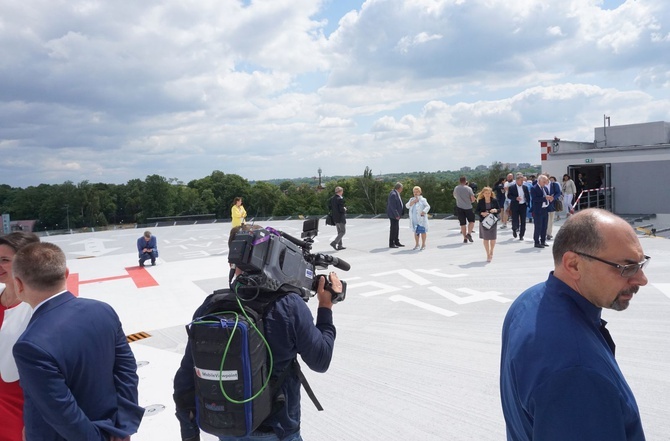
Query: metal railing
[[596, 198]]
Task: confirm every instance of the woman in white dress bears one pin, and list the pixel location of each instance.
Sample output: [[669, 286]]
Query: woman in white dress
[[568, 188], [418, 217]]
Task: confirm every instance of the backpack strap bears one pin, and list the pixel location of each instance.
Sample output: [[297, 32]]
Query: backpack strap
[[305, 384], [294, 366]]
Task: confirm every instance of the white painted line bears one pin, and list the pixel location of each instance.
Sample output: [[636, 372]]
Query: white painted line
[[473, 297], [407, 274], [423, 305], [383, 288], [436, 272]]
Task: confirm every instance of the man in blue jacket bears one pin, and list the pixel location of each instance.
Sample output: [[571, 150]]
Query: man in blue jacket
[[147, 248], [290, 330], [78, 374], [540, 206], [559, 379], [394, 209]]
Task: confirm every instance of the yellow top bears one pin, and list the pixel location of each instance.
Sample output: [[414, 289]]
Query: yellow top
[[238, 213]]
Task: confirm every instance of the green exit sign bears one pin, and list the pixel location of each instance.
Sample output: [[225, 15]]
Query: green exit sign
[[588, 160]]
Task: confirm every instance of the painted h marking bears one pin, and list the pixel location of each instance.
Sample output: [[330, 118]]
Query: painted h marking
[[140, 276]]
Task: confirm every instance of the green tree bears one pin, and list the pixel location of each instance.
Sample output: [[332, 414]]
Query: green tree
[[156, 201], [263, 197], [225, 188]]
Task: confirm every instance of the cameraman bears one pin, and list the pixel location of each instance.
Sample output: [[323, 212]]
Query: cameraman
[[289, 330]]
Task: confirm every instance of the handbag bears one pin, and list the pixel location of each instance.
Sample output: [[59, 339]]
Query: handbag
[[558, 205], [489, 221], [330, 220]]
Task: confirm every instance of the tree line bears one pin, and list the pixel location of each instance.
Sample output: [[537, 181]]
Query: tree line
[[95, 205]]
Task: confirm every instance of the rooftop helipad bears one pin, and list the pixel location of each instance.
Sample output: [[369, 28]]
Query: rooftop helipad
[[418, 336]]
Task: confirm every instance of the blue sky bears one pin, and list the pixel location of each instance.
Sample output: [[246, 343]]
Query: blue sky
[[113, 91]]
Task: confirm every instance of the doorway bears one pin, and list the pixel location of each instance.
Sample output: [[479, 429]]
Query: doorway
[[594, 185]]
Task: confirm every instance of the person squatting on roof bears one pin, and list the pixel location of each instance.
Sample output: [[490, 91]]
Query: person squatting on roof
[[147, 248]]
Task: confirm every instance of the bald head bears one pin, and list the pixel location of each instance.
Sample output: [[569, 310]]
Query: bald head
[[587, 231]]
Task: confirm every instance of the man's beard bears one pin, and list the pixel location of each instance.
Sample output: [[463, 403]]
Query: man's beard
[[620, 304]]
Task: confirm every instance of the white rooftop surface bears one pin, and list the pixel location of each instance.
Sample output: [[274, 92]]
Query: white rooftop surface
[[418, 336]]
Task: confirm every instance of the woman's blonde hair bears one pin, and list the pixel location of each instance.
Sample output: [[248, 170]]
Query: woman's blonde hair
[[480, 195], [416, 187]]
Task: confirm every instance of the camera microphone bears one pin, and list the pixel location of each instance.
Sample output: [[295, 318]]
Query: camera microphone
[[337, 263]]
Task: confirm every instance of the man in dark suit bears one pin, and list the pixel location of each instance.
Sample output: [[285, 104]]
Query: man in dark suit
[[77, 371], [339, 212], [540, 201], [147, 248], [394, 208], [519, 197]]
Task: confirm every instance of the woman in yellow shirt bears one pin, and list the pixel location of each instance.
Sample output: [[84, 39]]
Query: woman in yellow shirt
[[238, 213]]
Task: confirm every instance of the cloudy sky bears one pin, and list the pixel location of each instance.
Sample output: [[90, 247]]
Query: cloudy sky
[[108, 91]]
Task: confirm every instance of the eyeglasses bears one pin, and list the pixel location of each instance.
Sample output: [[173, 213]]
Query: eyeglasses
[[626, 270]]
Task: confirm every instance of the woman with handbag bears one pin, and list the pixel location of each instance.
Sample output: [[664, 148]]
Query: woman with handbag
[[488, 209]]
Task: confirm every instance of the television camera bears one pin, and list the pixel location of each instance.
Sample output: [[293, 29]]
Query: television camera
[[276, 261]]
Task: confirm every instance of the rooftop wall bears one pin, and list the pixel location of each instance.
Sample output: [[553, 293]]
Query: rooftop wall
[[652, 133]]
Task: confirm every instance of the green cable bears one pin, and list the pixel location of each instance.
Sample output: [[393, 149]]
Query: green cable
[[225, 353]]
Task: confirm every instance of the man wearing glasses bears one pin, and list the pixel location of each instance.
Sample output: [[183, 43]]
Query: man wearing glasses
[[559, 379]]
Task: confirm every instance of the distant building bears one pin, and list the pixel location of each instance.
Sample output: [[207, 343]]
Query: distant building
[[21, 225], [622, 166]]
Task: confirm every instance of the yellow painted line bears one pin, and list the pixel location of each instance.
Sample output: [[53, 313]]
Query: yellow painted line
[[137, 336]]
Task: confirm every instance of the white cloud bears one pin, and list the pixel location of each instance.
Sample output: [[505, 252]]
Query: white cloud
[[100, 90], [555, 31], [406, 43]]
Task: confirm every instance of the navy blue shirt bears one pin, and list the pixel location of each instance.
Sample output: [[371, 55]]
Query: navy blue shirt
[[289, 330], [558, 377]]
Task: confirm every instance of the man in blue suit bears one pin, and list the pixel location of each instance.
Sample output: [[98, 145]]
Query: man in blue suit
[[147, 249], [519, 197], [394, 209], [540, 202], [77, 371]]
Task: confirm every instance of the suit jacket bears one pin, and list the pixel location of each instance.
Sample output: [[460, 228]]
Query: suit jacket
[[538, 197], [555, 191], [394, 206], [142, 244], [481, 207], [337, 209], [513, 193], [77, 372]]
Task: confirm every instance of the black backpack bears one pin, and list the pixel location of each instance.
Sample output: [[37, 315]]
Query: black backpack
[[233, 364]]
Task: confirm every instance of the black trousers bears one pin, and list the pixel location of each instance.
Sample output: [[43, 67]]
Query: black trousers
[[540, 220], [519, 218], [395, 231]]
